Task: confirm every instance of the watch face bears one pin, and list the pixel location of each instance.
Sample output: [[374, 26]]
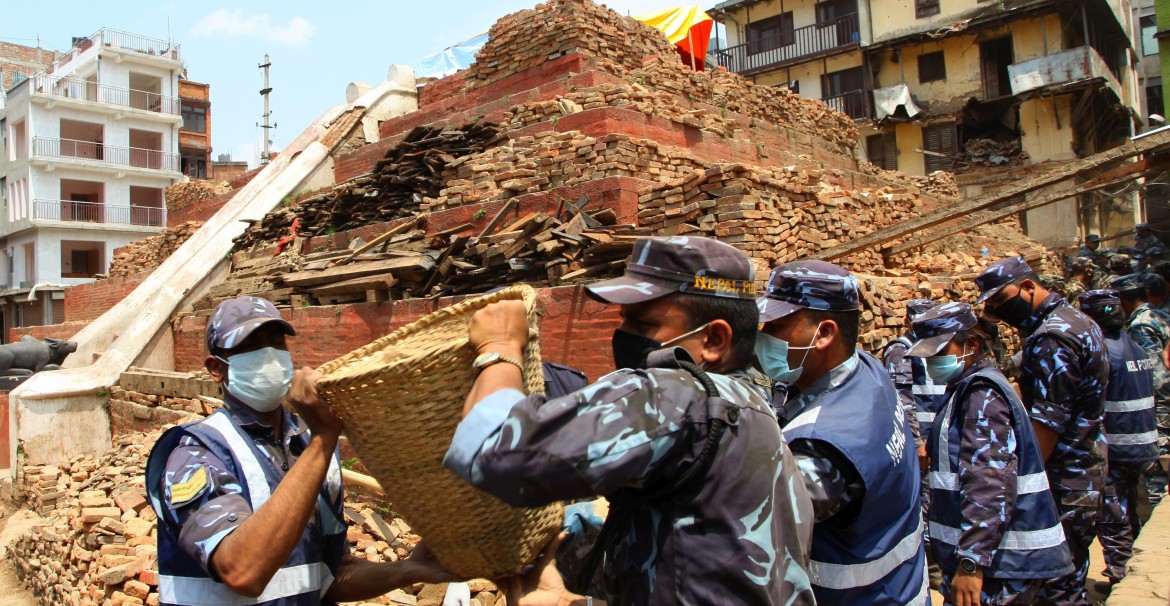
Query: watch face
[[968, 566]]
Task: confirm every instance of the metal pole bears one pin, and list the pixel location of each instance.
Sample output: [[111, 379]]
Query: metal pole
[[266, 154]]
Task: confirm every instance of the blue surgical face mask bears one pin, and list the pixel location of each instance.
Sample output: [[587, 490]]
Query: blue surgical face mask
[[260, 378], [944, 369], [772, 353]]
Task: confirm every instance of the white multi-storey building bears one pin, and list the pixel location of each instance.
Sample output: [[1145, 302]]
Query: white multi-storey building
[[88, 146]]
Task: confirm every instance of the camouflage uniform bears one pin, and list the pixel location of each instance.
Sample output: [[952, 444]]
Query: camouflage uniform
[[1063, 376], [738, 535], [902, 373], [1145, 242]]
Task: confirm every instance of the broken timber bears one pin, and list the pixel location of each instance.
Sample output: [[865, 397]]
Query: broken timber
[[1156, 141]]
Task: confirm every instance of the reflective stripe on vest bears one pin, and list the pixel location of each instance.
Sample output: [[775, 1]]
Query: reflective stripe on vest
[[1130, 405], [1131, 439], [848, 576], [258, 491], [287, 582], [1026, 484], [1012, 539], [807, 418], [929, 390], [925, 417]]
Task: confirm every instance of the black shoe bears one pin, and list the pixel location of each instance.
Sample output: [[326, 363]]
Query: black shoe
[[1103, 587]]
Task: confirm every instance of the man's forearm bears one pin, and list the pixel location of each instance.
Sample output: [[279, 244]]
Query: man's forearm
[[358, 579], [247, 558]]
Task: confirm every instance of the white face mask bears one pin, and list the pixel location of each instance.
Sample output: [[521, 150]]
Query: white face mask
[[260, 378]]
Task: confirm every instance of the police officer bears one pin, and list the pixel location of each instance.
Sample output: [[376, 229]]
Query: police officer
[[1081, 272], [986, 473], [1120, 264], [915, 391], [1130, 430], [1063, 374], [1149, 328], [1089, 248], [705, 502], [850, 438], [1156, 291], [249, 500], [1143, 238]]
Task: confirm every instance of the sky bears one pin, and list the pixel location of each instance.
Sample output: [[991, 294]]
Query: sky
[[317, 48]]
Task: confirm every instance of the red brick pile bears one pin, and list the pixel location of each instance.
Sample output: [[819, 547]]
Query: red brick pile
[[182, 195], [149, 253]]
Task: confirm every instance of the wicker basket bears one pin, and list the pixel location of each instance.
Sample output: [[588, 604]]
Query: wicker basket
[[401, 398]]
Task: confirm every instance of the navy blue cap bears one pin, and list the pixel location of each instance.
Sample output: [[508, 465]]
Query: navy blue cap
[[1130, 283], [917, 307], [808, 285], [1000, 274], [1141, 226], [661, 266], [233, 320], [1155, 251], [938, 326], [1094, 299], [1092, 238]]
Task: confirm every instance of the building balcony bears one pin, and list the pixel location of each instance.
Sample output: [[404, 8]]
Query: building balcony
[[801, 44], [82, 90], [124, 45], [86, 215], [855, 104], [1066, 68], [101, 154]]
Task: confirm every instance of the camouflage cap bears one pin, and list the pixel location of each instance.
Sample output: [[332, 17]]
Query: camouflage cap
[[1000, 274], [1092, 238], [808, 285], [917, 307], [938, 326], [1128, 284], [1096, 299], [233, 320], [1081, 263], [662, 266]]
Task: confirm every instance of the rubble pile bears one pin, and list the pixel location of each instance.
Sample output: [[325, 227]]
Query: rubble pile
[[148, 253], [939, 183], [97, 542], [627, 48], [182, 195], [400, 181], [989, 152]]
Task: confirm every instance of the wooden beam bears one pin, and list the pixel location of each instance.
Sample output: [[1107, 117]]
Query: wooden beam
[[987, 216], [1154, 142]]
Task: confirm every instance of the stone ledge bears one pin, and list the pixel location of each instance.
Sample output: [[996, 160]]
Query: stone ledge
[[1148, 579]]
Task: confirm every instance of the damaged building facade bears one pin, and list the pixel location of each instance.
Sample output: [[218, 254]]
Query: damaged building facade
[[987, 90]]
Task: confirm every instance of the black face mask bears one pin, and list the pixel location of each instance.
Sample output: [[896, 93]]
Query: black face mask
[[630, 350], [1015, 311]]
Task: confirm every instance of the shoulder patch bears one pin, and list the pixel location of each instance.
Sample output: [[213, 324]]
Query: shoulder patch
[[185, 492]]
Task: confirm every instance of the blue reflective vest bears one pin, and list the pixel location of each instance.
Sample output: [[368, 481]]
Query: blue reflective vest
[[1131, 424], [876, 557], [1033, 545], [303, 579]]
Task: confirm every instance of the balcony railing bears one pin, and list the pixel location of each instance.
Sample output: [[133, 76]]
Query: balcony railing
[[98, 212], [117, 39], [855, 104], [789, 47], [92, 91], [97, 151]]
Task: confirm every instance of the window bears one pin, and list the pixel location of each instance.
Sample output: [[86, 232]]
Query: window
[[1149, 28], [194, 117], [882, 150], [770, 34], [843, 15], [942, 143], [925, 8], [995, 57], [793, 86], [1154, 103], [844, 91], [193, 165], [931, 67]]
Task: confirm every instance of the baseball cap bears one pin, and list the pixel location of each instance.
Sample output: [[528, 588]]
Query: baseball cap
[[1092, 238], [233, 320], [1141, 226], [661, 266], [938, 326], [808, 285], [1130, 283], [917, 307], [1000, 274], [1094, 299]]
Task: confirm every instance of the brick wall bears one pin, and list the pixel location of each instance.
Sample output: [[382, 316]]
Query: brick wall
[[201, 210], [575, 330], [86, 302], [25, 59], [57, 331]]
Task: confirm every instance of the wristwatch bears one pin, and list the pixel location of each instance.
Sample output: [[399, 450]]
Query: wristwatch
[[968, 566], [484, 360]]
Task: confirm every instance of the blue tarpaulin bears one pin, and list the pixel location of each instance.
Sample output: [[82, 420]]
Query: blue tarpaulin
[[449, 60]]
